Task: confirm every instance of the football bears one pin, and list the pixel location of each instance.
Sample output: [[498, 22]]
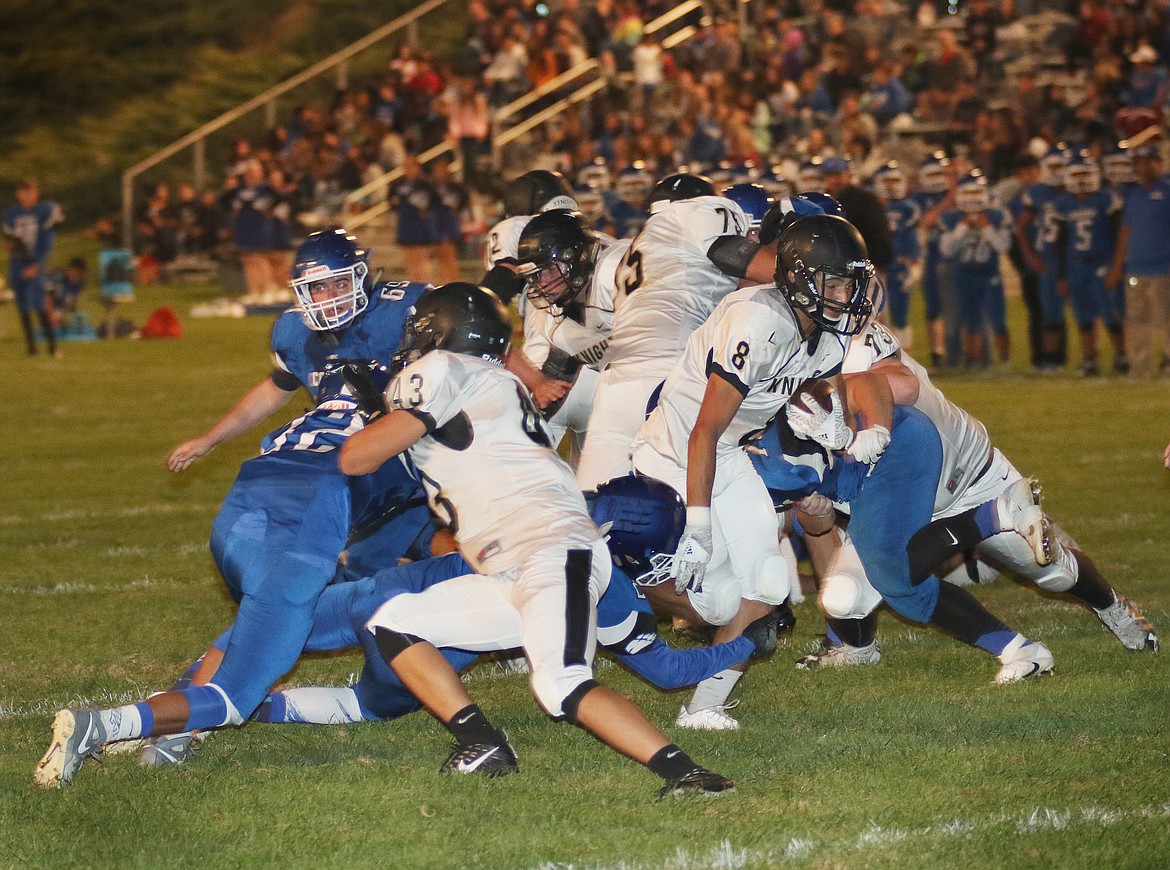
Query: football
[[814, 390]]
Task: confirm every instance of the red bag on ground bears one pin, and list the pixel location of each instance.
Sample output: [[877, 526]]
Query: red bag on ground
[[162, 323]]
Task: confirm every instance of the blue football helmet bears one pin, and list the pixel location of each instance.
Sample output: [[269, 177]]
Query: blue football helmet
[[827, 204], [633, 184], [811, 175], [972, 194], [890, 181], [1082, 174], [321, 261], [1117, 166], [753, 199], [1053, 165], [934, 172], [595, 175], [643, 520]]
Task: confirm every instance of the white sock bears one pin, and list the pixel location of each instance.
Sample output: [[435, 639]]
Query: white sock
[[714, 691], [1013, 648], [121, 723]]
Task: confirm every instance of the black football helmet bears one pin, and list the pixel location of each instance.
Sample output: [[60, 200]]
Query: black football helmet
[[535, 191], [458, 317], [556, 253], [682, 185], [823, 269]]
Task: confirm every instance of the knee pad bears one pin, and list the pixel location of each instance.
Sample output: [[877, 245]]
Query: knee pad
[[771, 581], [1061, 575], [844, 596], [573, 700], [392, 644], [716, 604]]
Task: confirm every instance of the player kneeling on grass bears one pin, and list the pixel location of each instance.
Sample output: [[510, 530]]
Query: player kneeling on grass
[[484, 455]]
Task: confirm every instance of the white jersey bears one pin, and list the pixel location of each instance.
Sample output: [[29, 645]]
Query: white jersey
[[486, 464], [967, 448], [587, 342], [752, 341], [667, 286], [503, 240]]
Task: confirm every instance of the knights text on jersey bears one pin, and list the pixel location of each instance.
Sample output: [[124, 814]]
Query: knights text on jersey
[[316, 360], [752, 341], [586, 341], [486, 463], [667, 286]]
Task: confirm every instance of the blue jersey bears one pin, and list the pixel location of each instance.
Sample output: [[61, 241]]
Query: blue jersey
[[1147, 215], [928, 202], [31, 230], [316, 359], [904, 215], [1088, 226], [1039, 199]]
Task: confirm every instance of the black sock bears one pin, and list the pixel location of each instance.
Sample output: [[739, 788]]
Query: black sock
[[855, 632], [26, 325], [960, 615], [470, 726], [671, 763], [937, 542], [1090, 587]]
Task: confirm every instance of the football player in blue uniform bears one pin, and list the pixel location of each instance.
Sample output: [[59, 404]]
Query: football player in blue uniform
[[1088, 222], [972, 237], [285, 523], [627, 201], [933, 196], [1041, 253], [904, 213], [30, 231]]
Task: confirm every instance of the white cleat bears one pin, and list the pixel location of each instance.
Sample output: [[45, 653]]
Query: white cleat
[[77, 735], [1127, 622], [840, 656], [708, 718], [1020, 511], [1022, 660]]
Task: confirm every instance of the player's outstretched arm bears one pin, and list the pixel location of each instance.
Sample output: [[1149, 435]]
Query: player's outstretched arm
[[256, 405], [386, 437]]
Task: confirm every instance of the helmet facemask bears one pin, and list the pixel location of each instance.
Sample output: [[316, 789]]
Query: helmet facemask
[[559, 280], [330, 299], [837, 302]]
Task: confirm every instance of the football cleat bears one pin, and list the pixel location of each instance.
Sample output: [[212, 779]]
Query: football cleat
[[1127, 622], [77, 735], [1020, 510], [484, 759], [839, 656], [1027, 659], [170, 749], [699, 781], [708, 718]]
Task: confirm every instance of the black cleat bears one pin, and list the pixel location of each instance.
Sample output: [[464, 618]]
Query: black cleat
[[699, 781], [484, 759]]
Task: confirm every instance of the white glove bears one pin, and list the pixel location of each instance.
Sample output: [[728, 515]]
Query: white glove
[[827, 428], [694, 551], [870, 444]]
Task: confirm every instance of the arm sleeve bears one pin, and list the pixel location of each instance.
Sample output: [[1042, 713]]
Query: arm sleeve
[[504, 283], [733, 254], [669, 668]]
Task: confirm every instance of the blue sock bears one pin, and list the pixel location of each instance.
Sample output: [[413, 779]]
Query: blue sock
[[271, 709], [208, 709], [987, 519], [995, 641]]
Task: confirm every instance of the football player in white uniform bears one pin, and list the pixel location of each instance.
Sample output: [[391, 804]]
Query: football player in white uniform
[[570, 270], [979, 482], [738, 370], [666, 287], [483, 454]]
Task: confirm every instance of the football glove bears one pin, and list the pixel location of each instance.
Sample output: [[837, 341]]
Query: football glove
[[371, 402], [694, 552], [762, 634], [869, 444], [827, 428]]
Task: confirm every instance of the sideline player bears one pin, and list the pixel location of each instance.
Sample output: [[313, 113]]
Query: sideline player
[[485, 457], [737, 371], [283, 526]]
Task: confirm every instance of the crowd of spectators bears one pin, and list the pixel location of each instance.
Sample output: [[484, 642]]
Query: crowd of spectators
[[794, 80]]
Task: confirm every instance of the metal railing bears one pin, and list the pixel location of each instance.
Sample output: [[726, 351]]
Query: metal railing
[[196, 139], [379, 184]]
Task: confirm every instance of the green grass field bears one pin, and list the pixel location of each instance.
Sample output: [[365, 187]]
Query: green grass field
[[107, 591]]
